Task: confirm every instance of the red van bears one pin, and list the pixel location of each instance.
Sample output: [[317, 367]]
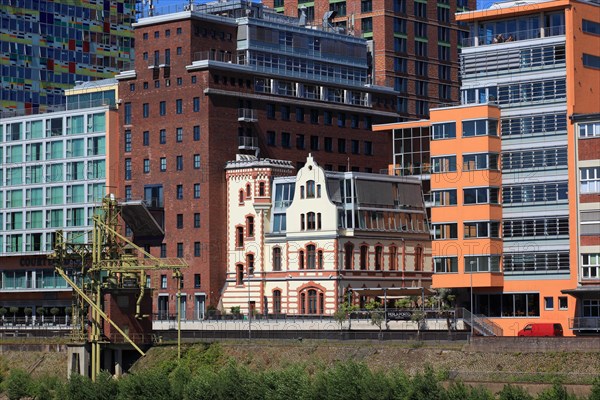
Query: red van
[[542, 329]]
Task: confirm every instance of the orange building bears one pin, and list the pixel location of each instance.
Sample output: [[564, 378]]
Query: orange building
[[504, 196]]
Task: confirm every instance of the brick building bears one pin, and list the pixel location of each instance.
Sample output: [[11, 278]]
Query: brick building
[[414, 43], [231, 77]]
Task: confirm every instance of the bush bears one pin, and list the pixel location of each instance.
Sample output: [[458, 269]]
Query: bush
[[18, 384], [510, 392], [460, 391], [46, 388], [556, 392], [426, 386], [147, 384], [595, 394]]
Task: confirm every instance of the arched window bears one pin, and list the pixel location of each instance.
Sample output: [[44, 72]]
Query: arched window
[[320, 259], [310, 189], [241, 196], [276, 258], [239, 236], [321, 303], [418, 258], [348, 255], [250, 263], [310, 257], [239, 274], [302, 303], [261, 189], [364, 254], [301, 259], [301, 222], [312, 301], [277, 301], [310, 221], [393, 258], [250, 226], [378, 258], [248, 191]]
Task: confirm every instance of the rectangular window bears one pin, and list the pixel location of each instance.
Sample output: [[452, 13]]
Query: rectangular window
[[196, 220], [163, 136], [180, 250], [196, 133], [591, 27], [179, 135], [197, 161], [482, 127], [270, 110], [341, 120], [367, 25], [446, 130], [443, 164], [286, 140], [128, 140], [179, 163], [196, 103], [271, 138], [483, 229], [327, 118], [482, 263], [591, 61], [590, 266], [162, 108], [328, 144], [197, 250], [163, 164], [300, 141], [146, 138], [548, 303], [285, 113], [196, 190], [445, 264], [314, 142], [127, 114], [589, 130], [314, 116], [472, 162], [179, 220], [368, 148], [179, 192], [444, 197], [146, 166], [179, 106], [341, 145], [484, 195], [563, 303], [445, 231], [145, 110], [128, 169], [299, 114], [355, 146]]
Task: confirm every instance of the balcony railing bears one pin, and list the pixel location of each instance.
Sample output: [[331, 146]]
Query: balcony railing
[[247, 115], [584, 323], [247, 143], [505, 37]]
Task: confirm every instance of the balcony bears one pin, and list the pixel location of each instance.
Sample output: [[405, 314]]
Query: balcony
[[247, 143], [585, 324], [505, 37], [459, 280], [247, 115]]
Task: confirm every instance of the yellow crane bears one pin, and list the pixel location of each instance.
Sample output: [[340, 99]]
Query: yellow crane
[[111, 262]]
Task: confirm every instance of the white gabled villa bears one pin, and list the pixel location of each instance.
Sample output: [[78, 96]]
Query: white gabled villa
[[297, 243]]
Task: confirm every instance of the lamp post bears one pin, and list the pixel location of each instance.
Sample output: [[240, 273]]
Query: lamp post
[[471, 263], [250, 271]]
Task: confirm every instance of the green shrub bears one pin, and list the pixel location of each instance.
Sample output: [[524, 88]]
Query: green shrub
[[178, 378], [595, 393], [460, 391], [46, 387], [350, 380], [426, 386], [556, 392], [18, 384], [288, 383], [148, 384], [511, 392]]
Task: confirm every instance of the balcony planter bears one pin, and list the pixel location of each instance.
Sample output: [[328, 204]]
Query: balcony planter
[[27, 311], [54, 311]]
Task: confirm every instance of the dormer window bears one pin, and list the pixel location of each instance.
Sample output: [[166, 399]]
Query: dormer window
[[310, 189]]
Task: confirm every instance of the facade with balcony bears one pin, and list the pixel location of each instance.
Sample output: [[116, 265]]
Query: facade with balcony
[[298, 243], [526, 72], [54, 171]]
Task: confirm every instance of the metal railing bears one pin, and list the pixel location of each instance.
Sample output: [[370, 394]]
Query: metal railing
[[481, 323], [505, 37], [584, 323], [247, 141], [58, 108], [247, 114]]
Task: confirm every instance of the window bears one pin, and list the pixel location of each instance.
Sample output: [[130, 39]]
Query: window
[[341, 145], [299, 114], [179, 135], [367, 25], [179, 221], [355, 146], [483, 229], [145, 110], [589, 130], [364, 256], [421, 29], [548, 303], [368, 148], [443, 164], [378, 258], [590, 180], [482, 263], [590, 266], [196, 104], [179, 163], [563, 303], [239, 274], [328, 144], [250, 226], [473, 162], [197, 162], [445, 231], [179, 192], [271, 138], [178, 106], [196, 133], [542, 192], [277, 301], [485, 195], [314, 142], [310, 189], [197, 249], [163, 164], [127, 140], [276, 258], [146, 166], [146, 138], [285, 113], [420, 10], [443, 14], [445, 264], [591, 27], [163, 281], [310, 221], [523, 227], [239, 236], [348, 256], [196, 191], [310, 257], [163, 250], [341, 120], [591, 61], [162, 108], [300, 141], [301, 259], [270, 110], [314, 116], [285, 140], [420, 48], [444, 131], [327, 118], [421, 107], [162, 136], [444, 197], [480, 127]]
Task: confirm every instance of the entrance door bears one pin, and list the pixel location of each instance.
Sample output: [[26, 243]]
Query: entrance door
[[163, 307], [199, 306]]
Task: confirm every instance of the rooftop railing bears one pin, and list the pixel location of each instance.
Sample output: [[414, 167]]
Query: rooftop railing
[[514, 36]]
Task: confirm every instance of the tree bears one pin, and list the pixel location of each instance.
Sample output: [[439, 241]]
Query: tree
[[18, 384], [403, 303], [14, 310], [343, 313], [446, 298], [377, 315], [41, 311], [54, 311], [419, 317]]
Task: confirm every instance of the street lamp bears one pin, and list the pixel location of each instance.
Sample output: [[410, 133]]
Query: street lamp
[[471, 263]]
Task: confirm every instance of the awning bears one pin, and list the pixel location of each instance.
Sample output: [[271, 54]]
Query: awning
[[587, 292], [392, 292]]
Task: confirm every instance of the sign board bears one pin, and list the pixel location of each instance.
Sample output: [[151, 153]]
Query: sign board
[[399, 315]]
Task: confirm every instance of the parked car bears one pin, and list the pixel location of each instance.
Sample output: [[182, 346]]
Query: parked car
[[542, 329]]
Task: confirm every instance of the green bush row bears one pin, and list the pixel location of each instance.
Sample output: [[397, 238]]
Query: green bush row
[[204, 375]]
